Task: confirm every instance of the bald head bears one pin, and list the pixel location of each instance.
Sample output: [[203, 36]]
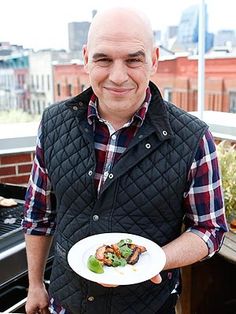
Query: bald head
[[120, 59], [120, 22]]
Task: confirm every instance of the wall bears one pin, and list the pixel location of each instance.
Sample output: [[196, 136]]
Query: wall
[[15, 168], [66, 75], [40, 80], [181, 74]]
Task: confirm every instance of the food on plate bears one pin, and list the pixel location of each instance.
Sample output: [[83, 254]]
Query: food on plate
[[95, 265], [7, 202], [119, 254]]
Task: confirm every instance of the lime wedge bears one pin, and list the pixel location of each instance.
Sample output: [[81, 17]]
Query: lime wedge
[[95, 265]]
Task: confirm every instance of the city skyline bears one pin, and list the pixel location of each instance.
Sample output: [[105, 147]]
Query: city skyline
[[44, 24]]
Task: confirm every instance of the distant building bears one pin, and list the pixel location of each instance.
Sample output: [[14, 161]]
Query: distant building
[[225, 37], [171, 31], [157, 36], [169, 36], [41, 77], [177, 78], [69, 79], [14, 75], [188, 29], [6, 48], [78, 32]]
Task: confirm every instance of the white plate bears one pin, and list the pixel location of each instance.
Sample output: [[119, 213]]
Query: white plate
[[150, 263]]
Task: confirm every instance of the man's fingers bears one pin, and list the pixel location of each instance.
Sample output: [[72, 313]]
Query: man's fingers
[[156, 279], [107, 286]]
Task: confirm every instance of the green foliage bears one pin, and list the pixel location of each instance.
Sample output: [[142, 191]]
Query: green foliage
[[14, 116], [227, 160]]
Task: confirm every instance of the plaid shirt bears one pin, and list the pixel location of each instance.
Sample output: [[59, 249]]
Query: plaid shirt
[[111, 143], [203, 198]]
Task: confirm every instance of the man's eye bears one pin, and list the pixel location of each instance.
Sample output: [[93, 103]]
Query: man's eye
[[103, 62], [134, 62]]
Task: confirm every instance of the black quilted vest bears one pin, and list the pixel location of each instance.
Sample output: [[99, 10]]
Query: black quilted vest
[[143, 196]]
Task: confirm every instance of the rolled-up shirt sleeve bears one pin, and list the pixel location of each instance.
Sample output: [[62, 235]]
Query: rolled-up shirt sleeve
[[39, 214], [203, 199]]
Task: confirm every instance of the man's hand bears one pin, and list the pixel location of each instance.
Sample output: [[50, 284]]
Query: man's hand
[[37, 300], [156, 279], [107, 286]]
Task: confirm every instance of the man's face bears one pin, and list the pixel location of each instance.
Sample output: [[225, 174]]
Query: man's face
[[119, 65]]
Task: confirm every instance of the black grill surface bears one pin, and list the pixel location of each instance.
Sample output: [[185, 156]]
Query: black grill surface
[[12, 246], [10, 219]]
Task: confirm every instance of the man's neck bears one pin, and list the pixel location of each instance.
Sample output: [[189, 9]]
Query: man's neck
[[117, 121]]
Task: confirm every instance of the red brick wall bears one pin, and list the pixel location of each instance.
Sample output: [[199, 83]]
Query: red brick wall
[[15, 168], [179, 74], [66, 75]]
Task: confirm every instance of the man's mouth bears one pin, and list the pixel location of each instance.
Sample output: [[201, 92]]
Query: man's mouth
[[118, 90]]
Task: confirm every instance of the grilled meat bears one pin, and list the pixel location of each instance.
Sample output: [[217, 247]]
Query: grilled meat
[[121, 253], [100, 253], [134, 257]]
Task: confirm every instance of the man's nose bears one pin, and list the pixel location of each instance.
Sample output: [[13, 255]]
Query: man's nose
[[118, 73]]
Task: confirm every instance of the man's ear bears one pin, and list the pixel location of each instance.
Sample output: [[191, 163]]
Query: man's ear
[[85, 57], [155, 58]]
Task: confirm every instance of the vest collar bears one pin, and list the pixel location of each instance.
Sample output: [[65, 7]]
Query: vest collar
[[157, 112], [79, 103]]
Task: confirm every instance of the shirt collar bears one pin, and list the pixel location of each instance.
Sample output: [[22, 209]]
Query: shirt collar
[[139, 115]]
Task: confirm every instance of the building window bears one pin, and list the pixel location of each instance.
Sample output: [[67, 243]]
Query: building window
[[48, 82], [58, 89], [167, 94], [32, 81], [18, 81], [37, 81], [42, 81], [232, 102], [69, 90], [34, 108], [38, 107], [193, 104]]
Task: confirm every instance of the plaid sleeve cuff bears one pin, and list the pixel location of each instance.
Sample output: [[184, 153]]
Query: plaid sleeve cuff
[[212, 238]]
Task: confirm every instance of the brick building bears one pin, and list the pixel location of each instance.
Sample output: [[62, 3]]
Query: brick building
[[177, 78], [69, 80]]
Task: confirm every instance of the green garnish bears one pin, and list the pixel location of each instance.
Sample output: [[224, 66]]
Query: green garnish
[[95, 265], [115, 260], [124, 241], [124, 249]]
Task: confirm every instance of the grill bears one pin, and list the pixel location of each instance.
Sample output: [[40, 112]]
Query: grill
[[13, 263], [7, 216], [10, 226]]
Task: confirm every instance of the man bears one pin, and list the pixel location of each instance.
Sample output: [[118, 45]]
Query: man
[[120, 159]]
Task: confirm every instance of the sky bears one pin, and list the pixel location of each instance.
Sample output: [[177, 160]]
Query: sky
[[44, 24]]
